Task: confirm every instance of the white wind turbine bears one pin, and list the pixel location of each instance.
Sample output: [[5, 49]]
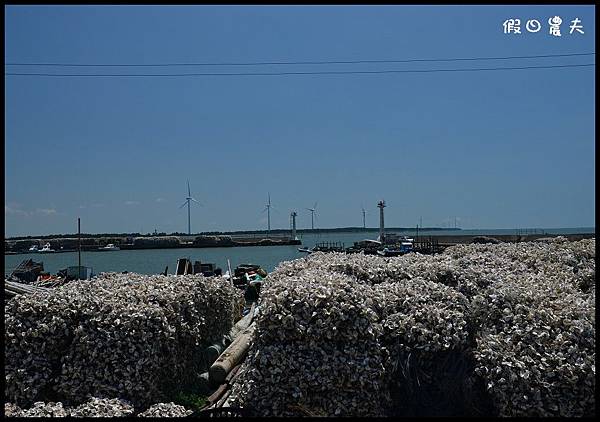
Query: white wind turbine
[[364, 220], [313, 211], [188, 200], [268, 210]]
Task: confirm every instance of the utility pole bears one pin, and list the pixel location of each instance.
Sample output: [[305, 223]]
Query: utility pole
[[381, 206], [79, 247]]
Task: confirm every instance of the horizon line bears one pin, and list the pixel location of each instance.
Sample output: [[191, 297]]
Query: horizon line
[[263, 231]]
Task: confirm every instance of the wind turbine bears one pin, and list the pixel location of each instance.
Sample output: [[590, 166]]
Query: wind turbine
[[312, 215], [268, 210], [364, 221], [188, 199]]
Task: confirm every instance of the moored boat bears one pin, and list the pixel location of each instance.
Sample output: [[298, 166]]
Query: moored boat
[[46, 249], [109, 247]]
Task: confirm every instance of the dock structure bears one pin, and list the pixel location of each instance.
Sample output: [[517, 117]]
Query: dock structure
[[429, 245]]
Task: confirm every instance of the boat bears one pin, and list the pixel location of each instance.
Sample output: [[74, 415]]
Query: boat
[[305, 249], [184, 267], [34, 248], [367, 247], [46, 249], [109, 247], [329, 247], [401, 246], [28, 271]]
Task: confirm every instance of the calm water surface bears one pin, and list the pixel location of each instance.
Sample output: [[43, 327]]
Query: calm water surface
[[154, 261]]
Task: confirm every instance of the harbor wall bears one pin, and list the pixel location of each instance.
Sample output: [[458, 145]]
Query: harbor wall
[[171, 242], [154, 242]]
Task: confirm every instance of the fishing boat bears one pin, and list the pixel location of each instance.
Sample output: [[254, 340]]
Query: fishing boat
[[402, 246], [329, 247], [109, 247], [46, 249], [28, 271], [185, 266], [305, 249], [367, 247]]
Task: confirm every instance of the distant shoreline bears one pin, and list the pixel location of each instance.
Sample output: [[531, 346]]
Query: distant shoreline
[[238, 232], [226, 241]]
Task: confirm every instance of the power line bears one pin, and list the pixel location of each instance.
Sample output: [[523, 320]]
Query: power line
[[350, 72], [314, 62]]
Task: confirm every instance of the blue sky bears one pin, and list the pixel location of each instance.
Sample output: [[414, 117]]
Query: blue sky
[[495, 149]]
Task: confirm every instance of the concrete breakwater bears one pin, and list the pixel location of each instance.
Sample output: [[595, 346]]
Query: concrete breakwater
[[155, 242]]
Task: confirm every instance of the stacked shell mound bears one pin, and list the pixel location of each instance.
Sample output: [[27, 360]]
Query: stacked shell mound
[[498, 330], [126, 336], [95, 407]]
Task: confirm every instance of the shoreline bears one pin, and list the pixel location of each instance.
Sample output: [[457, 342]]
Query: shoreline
[[219, 242]]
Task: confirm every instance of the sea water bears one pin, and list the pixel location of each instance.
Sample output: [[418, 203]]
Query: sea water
[[154, 261]]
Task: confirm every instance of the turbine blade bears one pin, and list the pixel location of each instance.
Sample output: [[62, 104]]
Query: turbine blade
[[197, 202], [184, 204], [315, 206]]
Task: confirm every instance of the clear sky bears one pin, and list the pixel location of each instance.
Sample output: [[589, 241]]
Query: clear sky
[[493, 149]]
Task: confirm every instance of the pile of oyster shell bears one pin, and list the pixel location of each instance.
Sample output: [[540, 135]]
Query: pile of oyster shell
[[128, 336], [482, 329], [96, 407], [166, 410]]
